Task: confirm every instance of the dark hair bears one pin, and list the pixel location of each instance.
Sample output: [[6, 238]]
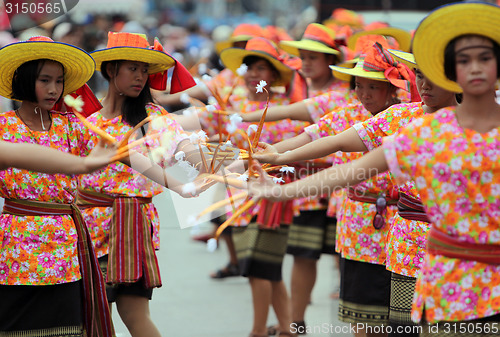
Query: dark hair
[[133, 108], [251, 59], [24, 80], [450, 69]]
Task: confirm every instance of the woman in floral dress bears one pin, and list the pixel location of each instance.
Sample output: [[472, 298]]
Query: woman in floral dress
[[452, 157]]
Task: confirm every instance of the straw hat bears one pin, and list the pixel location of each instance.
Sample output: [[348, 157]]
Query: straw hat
[[443, 25], [133, 47], [404, 57], [317, 37], [345, 73], [402, 37], [233, 58], [78, 65], [242, 32]]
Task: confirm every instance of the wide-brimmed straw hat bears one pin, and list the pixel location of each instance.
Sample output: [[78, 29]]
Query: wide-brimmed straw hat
[[133, 47], [402, 37], [242, 32], [78, 65], [344, 72], [443, 25], [233, 58], [401, 56], [317, 37]]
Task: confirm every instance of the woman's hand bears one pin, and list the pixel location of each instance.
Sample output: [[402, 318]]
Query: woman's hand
[[100, 156], [263, 187], [267, 154]]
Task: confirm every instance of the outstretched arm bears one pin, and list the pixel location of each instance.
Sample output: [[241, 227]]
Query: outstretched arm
[[287, 152], [323, 182], [47, 160], [296, 111]]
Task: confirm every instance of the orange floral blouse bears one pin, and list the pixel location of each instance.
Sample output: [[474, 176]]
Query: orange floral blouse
[[457, 174], [40, 250]]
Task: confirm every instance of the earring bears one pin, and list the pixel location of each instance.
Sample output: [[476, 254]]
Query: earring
[[39, 111]]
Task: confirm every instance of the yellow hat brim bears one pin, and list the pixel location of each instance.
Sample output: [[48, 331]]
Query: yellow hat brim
[[158, 61], [345, 73], [78, 64], [292, 47], [232, 58], [402, 36], [443, 25], [404, 57], [220, 46]]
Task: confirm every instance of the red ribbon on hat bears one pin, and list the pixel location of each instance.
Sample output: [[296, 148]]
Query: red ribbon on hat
[[90, 102], [297, 88], [181, 78], [377, 59]]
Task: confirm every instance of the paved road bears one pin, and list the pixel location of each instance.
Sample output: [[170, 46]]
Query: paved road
[[192, 304]]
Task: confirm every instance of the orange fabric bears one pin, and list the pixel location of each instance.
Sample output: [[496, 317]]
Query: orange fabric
[[122, 39], [248, 29], [377, 59], [316, 33]]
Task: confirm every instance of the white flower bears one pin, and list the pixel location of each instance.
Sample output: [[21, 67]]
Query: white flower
[[212, 100], [278, 180], [206, 77], [261, 86], [235, 119], [194, 138], [211, 245], [226, 144], [251, 128], [243, 177], [75, 103], [231, 128], [202, 68], [210, 108], [287, 169], [184, 98], [180, 155], [242, 70], [189, 188], [202, 135]]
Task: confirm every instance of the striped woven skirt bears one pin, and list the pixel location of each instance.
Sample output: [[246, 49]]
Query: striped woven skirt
[[259, 251], [41, 311], [311, 234]]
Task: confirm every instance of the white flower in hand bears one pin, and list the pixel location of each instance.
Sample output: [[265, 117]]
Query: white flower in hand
[[211, 245], [242, 70], [287, 169], [243, 177], [261, 86], [189, 189], [235, 119], [184, 98], [252, 128], [278, 180], [75, 103], [180, 155]]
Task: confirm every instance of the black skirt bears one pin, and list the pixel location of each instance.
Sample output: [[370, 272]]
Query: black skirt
[[41, 311]]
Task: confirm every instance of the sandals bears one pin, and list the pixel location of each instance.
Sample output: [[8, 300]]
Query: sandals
[[273, 330], [227, 271]]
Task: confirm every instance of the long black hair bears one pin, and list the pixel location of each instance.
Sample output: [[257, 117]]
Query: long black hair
[[133, 108]]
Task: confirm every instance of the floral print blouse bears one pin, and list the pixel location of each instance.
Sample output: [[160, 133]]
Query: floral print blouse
[[457, 176], [320, 105], [119, 179], [40, 250], [357, 239], [406, 240]]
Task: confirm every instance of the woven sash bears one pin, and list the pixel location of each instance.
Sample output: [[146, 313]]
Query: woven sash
[[439, 243], [97, 318], [411, 208], [366, 197], [131, 251]]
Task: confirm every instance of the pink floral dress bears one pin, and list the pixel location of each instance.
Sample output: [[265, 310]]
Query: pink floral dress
[[320, 105], [406, 239], [40, 250], [121, 180], [357, 239], [457, 175]]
